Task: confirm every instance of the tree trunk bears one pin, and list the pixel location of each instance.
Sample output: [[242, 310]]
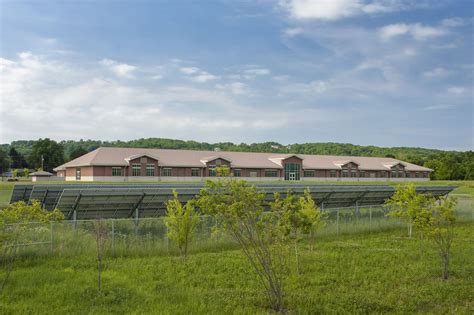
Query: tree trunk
[[99, 269], [446, 265], [297, 257]]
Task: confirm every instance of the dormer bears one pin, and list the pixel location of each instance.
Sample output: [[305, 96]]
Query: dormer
[[347, 164], [394, 165], [287, 158], [216, 161], [142, 158]]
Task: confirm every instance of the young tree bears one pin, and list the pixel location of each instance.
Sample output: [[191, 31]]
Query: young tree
[[440, 229], [26, 172], [408, 205], [299, 215], [239, 209], [100, 235], [223, 171], [181, 222], [12, 225]]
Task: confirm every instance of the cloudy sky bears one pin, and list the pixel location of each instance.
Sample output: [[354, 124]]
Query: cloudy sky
[[380, 72]]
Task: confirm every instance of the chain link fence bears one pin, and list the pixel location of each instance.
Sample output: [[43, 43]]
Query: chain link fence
[[148, 236]]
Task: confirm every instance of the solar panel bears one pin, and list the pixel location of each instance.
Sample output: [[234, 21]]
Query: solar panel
[[87, 203], [21, 192]]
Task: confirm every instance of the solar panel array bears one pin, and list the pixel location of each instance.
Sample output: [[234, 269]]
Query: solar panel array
[[78, 201]]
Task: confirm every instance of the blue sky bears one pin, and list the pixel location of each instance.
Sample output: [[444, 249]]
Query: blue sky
[[370, 72]]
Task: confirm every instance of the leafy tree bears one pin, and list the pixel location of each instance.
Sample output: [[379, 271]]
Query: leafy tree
[[239, 207], [17, 159], [26, 172], [50, 151], [12, 219], [407, 204], [15, 173], [181, 222], [4, 162], [223, 171], [299, 215], [77, 152]]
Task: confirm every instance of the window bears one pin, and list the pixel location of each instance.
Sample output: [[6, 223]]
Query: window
[[417, 174], [292, 171], [425, 174], [253, 174], [218, 162], [394, 173], [353, 173], [237, 173], [136, 169], [332, 173], [271, 173], [362, 174], [167, 171], [212, 171], [116, 171], [383, 174], [150, 170], [195, 172], [345, 173], [407, 174], [308, 173], [78, 173], [400, 174]]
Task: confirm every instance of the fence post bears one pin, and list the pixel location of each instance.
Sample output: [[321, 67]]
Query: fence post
[[52, 237], [370, 216], [74, 219], [337, 221], [113, 236], [167, 240]]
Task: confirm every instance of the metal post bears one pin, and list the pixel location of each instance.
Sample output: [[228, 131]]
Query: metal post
[[167, 240], [337, 220], [52, 238], [74, 219], [136, 221], [113, 236], [370, 215]]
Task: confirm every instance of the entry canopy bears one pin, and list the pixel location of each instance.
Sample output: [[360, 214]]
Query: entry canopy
[[79, 201]]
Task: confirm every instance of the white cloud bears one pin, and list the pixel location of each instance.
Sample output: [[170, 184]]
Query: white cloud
[[439, 107], [310, 88], [204, 77], [453, 22], [122, 70], [72, 102], [189, 70], [257, 71], [197, 75], [337, 9], [417, 31], [290, 32], [236, 88], [436, 73], [457, 90]]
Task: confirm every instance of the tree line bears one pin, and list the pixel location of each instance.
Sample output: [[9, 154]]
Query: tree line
[[447, 165]]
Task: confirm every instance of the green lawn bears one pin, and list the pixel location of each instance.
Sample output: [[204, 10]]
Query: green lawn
[[349, 274]]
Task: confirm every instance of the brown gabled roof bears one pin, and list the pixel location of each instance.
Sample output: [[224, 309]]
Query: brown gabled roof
[[109, 156]]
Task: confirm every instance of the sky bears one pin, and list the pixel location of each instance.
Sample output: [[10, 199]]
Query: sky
[[368, 72]]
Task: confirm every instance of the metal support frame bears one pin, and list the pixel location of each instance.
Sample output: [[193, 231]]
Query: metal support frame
[[136, 205], [74, 207], [44, 198]]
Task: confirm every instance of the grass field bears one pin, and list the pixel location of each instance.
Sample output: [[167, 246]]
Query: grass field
[[356, 273]]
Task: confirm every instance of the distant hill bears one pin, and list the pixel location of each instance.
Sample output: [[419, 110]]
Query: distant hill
[[447, 164]]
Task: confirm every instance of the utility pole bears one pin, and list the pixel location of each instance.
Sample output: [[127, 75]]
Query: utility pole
[[42, 162]]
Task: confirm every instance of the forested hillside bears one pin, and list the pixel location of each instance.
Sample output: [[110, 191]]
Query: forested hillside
[[447, 164]]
